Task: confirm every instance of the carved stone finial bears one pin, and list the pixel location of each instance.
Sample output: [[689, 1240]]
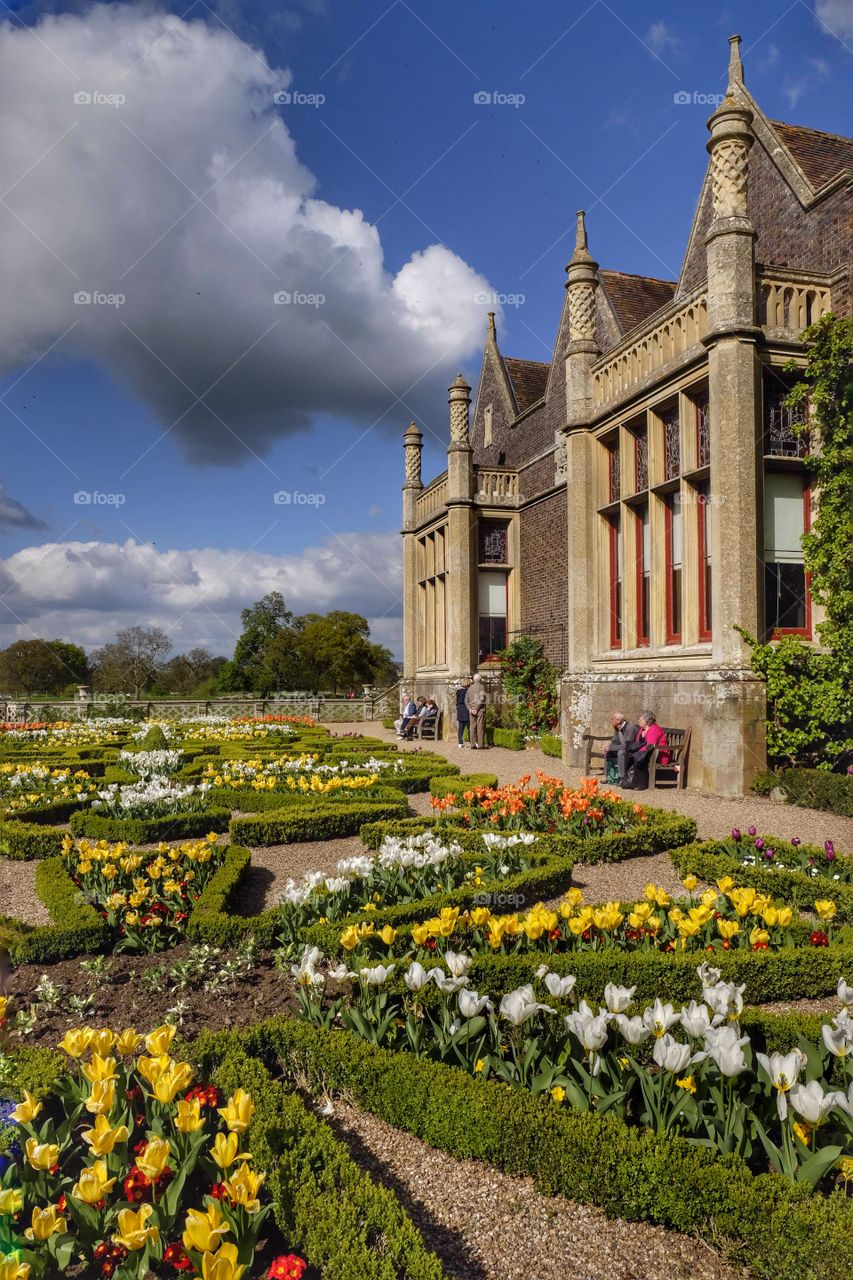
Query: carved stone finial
[[735, 64], [729, 144], [581, 253], [493, 333], [413, 445], [459, 399]]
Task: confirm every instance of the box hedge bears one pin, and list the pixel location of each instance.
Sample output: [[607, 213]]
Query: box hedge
[[27, 840], [818, 789], [443, 786], [317, 821], [551, 745], [213, 918], [782, 1230], [77, 927], [181, 826], [509, 739]]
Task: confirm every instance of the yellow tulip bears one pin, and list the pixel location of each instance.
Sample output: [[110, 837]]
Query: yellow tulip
[[725, 884], [132, 1231], [172, 1081], [25, 1112], [75, 1043], [243, 1187], [189, 1118], [42, 1155], [154, 1158], [728, 928], [222, 1265], [127, 1042], [758, 935], [225, 1150], [99, 1069], [45, 1223], [204, 1231], [93, 1185], [102, 1041], [825, 909], [690, 882], [12, 1269], [238, 1112], [102, 1097], [102, 1138], [350, 938], [786, 915], [558, 1093], [480, 916], [687, 928], [158, 1041], [388, 935], [151, 1069], [709, 898], [11, 1201], [770, 916]]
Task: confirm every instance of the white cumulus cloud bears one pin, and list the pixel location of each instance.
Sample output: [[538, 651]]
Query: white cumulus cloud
[[835, 17], [149, 167]]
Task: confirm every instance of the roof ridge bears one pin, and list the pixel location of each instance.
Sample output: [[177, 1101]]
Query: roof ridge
[[808, 128], [526, 360], [636, 275]]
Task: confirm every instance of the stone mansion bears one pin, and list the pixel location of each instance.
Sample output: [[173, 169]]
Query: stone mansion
[[642, 494]]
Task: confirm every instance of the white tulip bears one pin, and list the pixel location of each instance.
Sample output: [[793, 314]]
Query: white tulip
[[618, 999], [458, 964], [845, 994], [838, 1037], [416, 976], [670, 1055], [783, 1070], [591, 1031], [447, 986], [708, 976], [634, 1030], [378, 975], [723, 1046], [725, 999], [810, 1101], [845, 1101], [559, 987], [660, 1017], [520, 1005], [471, 1004], [696, 1019]]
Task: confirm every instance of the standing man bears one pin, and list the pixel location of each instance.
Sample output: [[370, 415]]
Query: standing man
[[624, 734], [475, 701], [462, 718]]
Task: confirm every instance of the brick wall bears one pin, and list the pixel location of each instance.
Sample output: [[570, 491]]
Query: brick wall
[[543, 571]]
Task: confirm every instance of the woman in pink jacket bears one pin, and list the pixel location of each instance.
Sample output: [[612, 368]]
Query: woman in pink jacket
[[650, 735]]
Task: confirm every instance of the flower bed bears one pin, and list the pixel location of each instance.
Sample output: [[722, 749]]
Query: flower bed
[[145, 763], [25, 787], [298, 773], [551, 807], [321, 820]]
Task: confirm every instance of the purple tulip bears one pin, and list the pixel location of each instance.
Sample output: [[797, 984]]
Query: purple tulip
[[829, 849], [795, 840], [759, 844], [769, 855], [751, 831], [735, 833]]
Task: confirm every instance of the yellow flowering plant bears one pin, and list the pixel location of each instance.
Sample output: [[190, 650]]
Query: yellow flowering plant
[[145, 896], [34, 784], [126, 1169]]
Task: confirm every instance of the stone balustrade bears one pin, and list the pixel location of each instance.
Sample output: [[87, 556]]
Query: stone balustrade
[[433, 498], [496, 486], [621, 370], [786, 306]]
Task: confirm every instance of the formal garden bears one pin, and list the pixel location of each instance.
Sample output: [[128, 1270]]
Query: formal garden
[[178, 1049]]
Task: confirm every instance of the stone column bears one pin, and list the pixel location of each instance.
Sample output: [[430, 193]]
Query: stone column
[[734, 742], [413, 446], [461, 548]]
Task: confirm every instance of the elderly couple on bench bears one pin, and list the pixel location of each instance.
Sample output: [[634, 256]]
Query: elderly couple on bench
[[631, 748]]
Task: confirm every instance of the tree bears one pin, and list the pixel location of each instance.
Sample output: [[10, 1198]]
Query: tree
[[810, 690], [192, 673], [328, 652], [42, 666], [262, 622], [132, 660]]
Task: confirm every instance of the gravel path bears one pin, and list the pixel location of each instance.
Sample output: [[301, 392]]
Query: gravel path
[[274, 865], [485, 1225], [18, 892], [715, 815]]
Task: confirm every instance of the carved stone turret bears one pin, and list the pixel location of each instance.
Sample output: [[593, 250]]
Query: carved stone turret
[[582, 347], [459, 399]]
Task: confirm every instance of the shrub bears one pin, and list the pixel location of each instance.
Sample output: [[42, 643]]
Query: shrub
[[154, 740], [817, 789], [181, 826], [317, 821], [211, 919], [26, 840], [443, 786], [710, 860], [510, 739], [77, 927], [551, 745]]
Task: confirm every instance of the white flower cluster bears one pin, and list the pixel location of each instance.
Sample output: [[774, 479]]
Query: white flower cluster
[[86, 732], [153, 796], [145, 763]]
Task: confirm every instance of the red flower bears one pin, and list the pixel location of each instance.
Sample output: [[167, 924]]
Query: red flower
[[176, 1255], [819, 938], [761, 946], [62, 1203], [287, 1266], [218, 1191]]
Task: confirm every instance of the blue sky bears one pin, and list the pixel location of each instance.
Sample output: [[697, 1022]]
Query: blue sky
[[381, 186]]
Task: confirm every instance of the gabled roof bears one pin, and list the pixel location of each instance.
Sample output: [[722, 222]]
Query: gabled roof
[[635, 298], [820, 155], [529, 379]]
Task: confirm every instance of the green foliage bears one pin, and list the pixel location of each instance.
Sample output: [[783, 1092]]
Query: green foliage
[[443, 786], [509, 739], [77, 927], [26, 840], [810, 711], [781, 1229], [212, 920], [155, 740], [181, 826], [131, 661], [551, 745], [816, 789], [332, 651], [530, 681], [29, 1069], [317, 821], [41, 666]]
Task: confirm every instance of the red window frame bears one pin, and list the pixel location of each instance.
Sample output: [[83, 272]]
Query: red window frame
[[701, 400], [704, 515], [642, 630], [615, 593], [672, 636], [806, 631]]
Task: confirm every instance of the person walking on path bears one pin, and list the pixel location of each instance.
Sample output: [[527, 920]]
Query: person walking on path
[[475, 701], [462, 718]]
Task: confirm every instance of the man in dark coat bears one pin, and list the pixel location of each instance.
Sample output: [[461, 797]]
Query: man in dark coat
[[462, 717], [624, 734]]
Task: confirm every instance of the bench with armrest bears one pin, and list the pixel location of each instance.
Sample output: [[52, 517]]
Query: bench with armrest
[[428, 727], [673, 774]]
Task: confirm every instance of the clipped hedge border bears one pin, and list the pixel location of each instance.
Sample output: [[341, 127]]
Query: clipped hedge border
[[709, 860], [782, 1230], [77, 927], [509, 739], [818, 789], [182, 826], [45, 815], [443, 786], [316, 822], [551, 745], [212, 919], [27, 840]]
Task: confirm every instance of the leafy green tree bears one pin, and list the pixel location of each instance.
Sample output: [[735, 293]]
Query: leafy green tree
[[328, 652], [530, 683], [262, 622], [131, 663], [41, 666], [809, 689]]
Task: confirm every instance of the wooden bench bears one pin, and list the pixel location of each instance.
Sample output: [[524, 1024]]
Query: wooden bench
[[675, 772], [428, 727]]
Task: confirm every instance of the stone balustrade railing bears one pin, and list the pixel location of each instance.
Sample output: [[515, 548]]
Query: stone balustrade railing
[[620, 370], [496, 486], [433, 498], [787, 306]]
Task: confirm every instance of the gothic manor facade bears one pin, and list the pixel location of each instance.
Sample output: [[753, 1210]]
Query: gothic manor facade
[[639, 497]]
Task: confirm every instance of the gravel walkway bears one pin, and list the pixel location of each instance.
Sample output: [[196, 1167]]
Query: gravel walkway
[[18, 892], [274, 865], [485, 1225], [715, 815]]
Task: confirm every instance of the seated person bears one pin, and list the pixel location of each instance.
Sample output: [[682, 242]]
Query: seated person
[[427, 712], [616, 756], [650, 735], [411, 722], [409, 709]]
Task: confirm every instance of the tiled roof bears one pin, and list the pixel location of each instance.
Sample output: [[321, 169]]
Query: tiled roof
[[820, 155], [634, 298], [529, 379]]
